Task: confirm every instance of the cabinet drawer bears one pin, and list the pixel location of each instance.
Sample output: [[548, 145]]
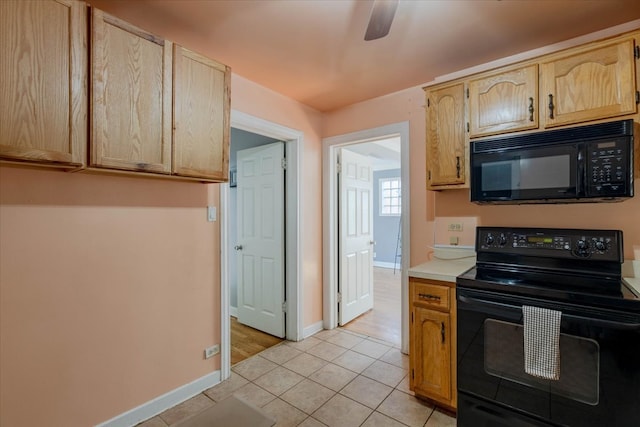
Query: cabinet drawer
[[431, 295]]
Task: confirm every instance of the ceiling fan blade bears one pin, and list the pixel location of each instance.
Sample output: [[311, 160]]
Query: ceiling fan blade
[[381, 18]]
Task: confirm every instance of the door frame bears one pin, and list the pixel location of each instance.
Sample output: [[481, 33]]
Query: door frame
[[330, 260], [294, 147]]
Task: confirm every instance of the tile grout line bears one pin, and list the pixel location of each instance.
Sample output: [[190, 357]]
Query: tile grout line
[[331, 361], [338, 392]]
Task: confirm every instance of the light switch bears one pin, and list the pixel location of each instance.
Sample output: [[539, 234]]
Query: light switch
[[211, 213], [453, 240]]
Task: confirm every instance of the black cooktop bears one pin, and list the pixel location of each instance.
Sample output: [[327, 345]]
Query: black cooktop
[[608, 294], [573, 266]]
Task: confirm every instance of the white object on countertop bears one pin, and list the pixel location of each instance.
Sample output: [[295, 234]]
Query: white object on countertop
[[631, 274], [453, 252], [631, 268]]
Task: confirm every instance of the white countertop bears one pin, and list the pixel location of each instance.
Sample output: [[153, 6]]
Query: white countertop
[[453, 262], [445, 266]]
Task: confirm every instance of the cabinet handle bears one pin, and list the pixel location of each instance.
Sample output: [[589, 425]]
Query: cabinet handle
[[531, 110], [551, 107], [458, 166], [442, 331], [429, 297]]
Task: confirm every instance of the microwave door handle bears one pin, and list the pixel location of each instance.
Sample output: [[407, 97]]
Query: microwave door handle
[[610, 324], [581, 174]]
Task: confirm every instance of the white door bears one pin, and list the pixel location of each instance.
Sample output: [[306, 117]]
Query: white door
[[356, 236], [260, 249]]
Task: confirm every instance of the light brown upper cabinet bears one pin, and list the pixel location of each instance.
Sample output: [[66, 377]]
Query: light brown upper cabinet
[[590, 83], [445, 137], [43, 81], [201, 116], [130, 97], [504, 102]]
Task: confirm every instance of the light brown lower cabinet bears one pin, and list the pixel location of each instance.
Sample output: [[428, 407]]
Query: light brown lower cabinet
[[432, 352]]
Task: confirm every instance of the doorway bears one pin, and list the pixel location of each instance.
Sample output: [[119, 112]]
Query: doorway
[[381, 318], [331, 263], [293, 148]]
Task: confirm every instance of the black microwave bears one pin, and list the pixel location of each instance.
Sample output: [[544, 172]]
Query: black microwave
[[582, 164]]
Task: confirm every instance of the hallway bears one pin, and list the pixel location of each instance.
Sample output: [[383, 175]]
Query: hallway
[[384, 320]]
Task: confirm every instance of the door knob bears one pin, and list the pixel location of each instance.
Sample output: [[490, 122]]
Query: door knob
[[238, 247]]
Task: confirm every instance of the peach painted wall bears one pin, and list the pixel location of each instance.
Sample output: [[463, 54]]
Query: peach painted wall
[[109, 292]]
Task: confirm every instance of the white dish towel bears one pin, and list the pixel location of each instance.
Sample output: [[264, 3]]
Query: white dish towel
[[542, 342]]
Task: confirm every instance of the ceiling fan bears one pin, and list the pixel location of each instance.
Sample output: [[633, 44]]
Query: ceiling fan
[[382, 14]]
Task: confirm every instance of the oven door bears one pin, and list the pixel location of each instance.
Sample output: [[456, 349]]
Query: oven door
[[599, 381], [534, 173]]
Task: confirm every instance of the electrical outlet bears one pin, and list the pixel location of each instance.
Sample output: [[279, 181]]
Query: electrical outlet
[[211, 351], [455, 226]]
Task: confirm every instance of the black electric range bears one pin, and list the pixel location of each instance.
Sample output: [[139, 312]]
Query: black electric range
[[575, 272]]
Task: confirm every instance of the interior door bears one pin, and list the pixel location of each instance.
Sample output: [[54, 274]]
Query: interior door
[[356, 236], [260, 246]]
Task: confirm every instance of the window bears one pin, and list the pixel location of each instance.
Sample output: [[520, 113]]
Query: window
[[390, 196]]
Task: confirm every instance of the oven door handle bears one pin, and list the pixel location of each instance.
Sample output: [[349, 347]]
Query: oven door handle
[[611, 324]]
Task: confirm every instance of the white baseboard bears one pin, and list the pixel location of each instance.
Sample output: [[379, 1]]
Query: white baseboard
[[233, 311], [386, 265], [164, 402], [310, 330]]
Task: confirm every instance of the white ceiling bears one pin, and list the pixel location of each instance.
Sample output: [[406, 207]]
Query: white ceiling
[[384, 153], [314, 50]]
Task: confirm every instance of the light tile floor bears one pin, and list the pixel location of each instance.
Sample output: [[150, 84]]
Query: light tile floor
[[336, 378]]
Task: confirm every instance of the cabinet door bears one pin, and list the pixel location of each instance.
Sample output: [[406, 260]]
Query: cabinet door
[[445, 136], [201, 116], [593, 83], [130, 97], [43, 83], [432, 337], [504, 102]]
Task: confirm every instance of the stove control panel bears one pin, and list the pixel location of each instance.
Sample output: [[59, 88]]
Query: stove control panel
[[605, 245]]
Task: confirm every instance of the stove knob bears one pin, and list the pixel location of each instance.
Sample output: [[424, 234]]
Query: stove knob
[[489, 239], [502, 240], [601, 246], [583, 245]]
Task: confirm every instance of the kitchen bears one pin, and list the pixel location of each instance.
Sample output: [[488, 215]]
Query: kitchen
[[66, 223]]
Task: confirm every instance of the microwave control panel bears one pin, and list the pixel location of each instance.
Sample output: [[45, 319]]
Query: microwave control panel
[[608, 171], [604, 245]]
